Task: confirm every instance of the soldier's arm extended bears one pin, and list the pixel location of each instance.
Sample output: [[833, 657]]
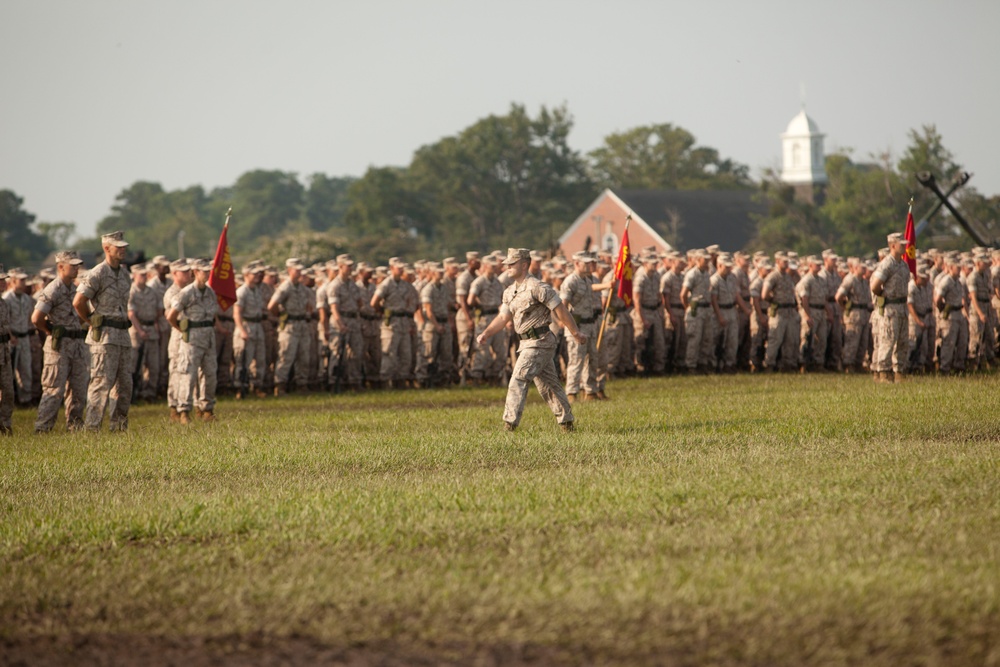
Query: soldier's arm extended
[[562, 315], [496, 324]]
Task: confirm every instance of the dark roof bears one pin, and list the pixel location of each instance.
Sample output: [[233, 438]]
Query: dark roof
[[706, 216]]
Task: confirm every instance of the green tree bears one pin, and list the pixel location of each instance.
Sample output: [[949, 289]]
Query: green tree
[[326, 201], [19, 243], [58, 233], [265, 203], [664, 157]]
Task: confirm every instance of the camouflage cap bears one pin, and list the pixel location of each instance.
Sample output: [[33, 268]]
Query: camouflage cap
[[364, 266], [68, 257], [345, 259], [895, 237], [17, 272], [116, 239], [136, 269], [471, 255], [294, 263], [201, 264], [536, 256], [449, 261], [161, 260], [47, 273], [724, 259], [515, 255], [581, 256], [712, 249], [491, 260], [813, 259], [395, 261], [180, 265]]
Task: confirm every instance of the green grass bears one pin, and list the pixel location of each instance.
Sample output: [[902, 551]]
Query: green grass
[[744, 520]]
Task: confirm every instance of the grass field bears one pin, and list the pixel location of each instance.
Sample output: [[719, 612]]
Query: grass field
[[788, 520]]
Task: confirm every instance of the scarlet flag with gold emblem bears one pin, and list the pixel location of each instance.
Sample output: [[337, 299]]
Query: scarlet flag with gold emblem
[[911, 242], [623, 269], [223, 279]]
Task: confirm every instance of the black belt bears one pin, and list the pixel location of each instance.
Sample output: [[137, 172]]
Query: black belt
[[350, 316], [255, 320], [677, 305], [866, 307], [370, 317], [821, 306], [22, 334], [830, 299], [75, 333], [297, 318], [533, 333], [225, 318], [726, 306], [147, 323], [922, 314], [654, 307], [895, 302], [982, 300], [200, 325], [116, 324], [586, 320], [784, 305], [401, 314]]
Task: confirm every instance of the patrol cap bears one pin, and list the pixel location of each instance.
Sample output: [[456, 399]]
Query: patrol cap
[[895, 237], [601, 264], [536, 256], [253, 268], [981, 257], [47, 274], [136, 269], [294, 263], [792, 255], [201, 265], [471, 255], [17, 272], [449, 261], [395, 261], [581, 256], [68, 257], [712, 249], [381, 271], [766, 265], [739, 254], [828, 253], [345, 259], [760, 254], [491, 260], [330, 264], [724, 259], [813, 259], [515, 255], [161, 260], [435, 267], [116, 239], [364, 266], [180, 265], [781, 256], [793, 265], [270, 270]]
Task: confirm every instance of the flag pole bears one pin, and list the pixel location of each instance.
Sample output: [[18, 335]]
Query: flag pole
[[611, 294]]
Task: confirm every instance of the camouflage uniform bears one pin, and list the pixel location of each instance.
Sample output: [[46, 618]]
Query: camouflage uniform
[[489, 360], [893, 338], [146, 306], [981, 343], [160, 286], [782, 321], [857, 320], [583, 305], [530, 305], [176, 373], [270, 326], [250, 354], [675, 336], [835, 331], [67, 370], [921, 338], [6, 371], [650, 344], [293, 337], [951, 326], [110, 355], [197, 354], [224, 352], [395, 332], [21, 306], [699, 320], [371, 341], [437, 345], [464, 327], [725, 290], [758, 329], [742, 279], [346, 343], [812, 340]]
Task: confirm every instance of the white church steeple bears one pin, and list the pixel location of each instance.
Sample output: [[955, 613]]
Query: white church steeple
[[802, 160]]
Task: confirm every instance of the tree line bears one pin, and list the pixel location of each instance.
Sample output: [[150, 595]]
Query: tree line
[[506, 179]]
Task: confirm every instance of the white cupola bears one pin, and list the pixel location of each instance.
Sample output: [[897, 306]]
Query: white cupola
[[802, 160]]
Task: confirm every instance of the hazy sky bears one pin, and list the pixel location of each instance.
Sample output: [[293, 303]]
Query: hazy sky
[[95, 95]]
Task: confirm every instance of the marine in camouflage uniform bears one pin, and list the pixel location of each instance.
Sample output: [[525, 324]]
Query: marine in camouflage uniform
[[159, 281], [249, 343], [758, 318], [21, 305], [144, 310], [270, 325], [371, 339], [782, 317], [342, 324], [106, 288], [890, 282], [835, 335], [855, 298], [182, 277], [699, 322], [725, 300], [6, 371], [464, 321], [391, 298], [66, 372], [577, 293], [193, 312], [919, 303], [528, 303], [741, 274], [981, 343], [485, 297], [671, 285], [816, 316], [647, 317], [292, 303], [950, 300], [435, 331]]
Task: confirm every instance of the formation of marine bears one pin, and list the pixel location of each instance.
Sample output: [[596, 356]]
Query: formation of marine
[[98, 340]]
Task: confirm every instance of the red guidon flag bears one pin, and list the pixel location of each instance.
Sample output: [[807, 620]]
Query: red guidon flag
[[623, 269], [223, 280], [911, 243]]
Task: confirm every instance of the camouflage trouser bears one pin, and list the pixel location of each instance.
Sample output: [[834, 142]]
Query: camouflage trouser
[[952, 334], [857, 333], [396, 351], [582, 358], [176, 371], [249, 357], [610, 353], [224, 354], [270, 352], [743, 332], [649, 341], [293, 349], [314, 368], [625, 361], [835, 339], [435, 350], [110, 380], [980, 338], [675, 337], [346, 353], [6, 388], [201, 372], [758, 338], [812, 343], [464, 334], [66, 374], [150, 360], [921, 342], [727, 337], [371, 344], [892, 353], [164, 345], [535, 363], [490, 359], [22, 374], [783, 338], [698, 328]]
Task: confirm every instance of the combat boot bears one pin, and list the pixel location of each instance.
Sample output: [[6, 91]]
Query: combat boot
[[174, 415], [899, 378], [568, 427], [571, 398], [280, 389], [208, 416], [184, 418]]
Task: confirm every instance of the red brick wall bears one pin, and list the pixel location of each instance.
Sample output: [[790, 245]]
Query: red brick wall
[[612, 218]]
